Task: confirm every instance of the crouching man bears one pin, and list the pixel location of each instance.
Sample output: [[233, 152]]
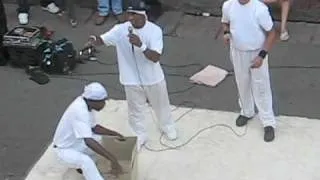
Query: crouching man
[[77, 136]]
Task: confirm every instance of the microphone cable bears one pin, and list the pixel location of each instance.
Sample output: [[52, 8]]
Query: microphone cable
[[74, 76], [167, 147]]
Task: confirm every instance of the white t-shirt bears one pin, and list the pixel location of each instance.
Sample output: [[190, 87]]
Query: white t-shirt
[[130, 67], [75, 124], [248, 23]]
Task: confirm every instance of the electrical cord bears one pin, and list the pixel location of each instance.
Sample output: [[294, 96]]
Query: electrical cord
[[176, 147], [75, 76], [230, 71], [168, 147], [189, 140], [107, 64], [182, 66], [294, 67], [184, 114], [162, 64]]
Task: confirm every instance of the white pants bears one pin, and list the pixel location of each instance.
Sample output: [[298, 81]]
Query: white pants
[[81, 156], [157, 95], [253, 86]]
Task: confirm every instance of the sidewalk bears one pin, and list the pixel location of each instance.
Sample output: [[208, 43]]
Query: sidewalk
[[30, 112]]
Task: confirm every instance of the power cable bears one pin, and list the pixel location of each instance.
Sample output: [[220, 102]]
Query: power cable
[[189, 140], [168, 147]]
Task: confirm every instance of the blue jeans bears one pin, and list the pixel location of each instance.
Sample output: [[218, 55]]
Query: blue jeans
[[104, 7]]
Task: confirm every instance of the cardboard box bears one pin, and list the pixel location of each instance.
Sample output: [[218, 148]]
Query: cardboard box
[[125, 152]]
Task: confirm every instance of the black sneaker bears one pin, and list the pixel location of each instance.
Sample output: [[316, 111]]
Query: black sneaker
[[242, 120], [268, 134]]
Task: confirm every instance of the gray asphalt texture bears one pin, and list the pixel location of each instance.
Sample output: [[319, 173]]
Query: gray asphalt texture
[[30, 112]]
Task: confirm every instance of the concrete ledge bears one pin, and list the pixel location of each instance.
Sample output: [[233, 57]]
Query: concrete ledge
[[217, 152]]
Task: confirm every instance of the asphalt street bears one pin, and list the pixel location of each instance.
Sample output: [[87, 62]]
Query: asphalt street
[[30, 112]]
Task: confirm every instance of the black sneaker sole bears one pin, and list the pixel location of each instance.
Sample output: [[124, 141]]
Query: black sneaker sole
[[244, 121]]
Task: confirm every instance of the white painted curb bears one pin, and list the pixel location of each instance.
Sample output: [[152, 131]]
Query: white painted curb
[[216, 153]]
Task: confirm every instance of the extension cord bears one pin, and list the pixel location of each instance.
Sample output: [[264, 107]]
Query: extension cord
[[181, 91], [154, 121], [167, 147]]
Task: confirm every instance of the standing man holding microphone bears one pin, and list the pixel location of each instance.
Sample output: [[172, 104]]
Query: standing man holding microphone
[[139, 45], [249, 29]]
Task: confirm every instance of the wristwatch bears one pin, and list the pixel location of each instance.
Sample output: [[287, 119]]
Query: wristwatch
[[263, 54]]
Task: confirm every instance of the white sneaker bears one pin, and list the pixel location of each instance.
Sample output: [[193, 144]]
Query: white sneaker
[[73, 22], [23, 18], [284, 36], [52, 8], [141, 141], [171, 135]]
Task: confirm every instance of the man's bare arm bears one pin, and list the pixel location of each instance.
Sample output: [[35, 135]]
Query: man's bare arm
[[96, 147], [152, 55], [98, 129], [95, 41], [271, 37], [225, 27], [226, 33]]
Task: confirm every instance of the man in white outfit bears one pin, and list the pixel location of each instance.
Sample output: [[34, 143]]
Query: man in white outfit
[[248, 28], [139, 45], [78, 135]]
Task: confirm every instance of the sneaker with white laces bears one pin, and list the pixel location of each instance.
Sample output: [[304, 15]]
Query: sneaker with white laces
[[284, 36], [23, 18], [52, 8], [73, 22]]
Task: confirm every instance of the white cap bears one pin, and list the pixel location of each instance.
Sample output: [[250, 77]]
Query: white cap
[[95, 91], [138, 8]]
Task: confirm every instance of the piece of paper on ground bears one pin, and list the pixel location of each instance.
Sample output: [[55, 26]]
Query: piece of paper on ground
[[210, 75]]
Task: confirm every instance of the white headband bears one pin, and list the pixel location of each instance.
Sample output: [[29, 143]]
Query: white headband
[[95, 91], [139, 12]]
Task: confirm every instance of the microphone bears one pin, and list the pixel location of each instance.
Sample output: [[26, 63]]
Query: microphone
[[130, 29]]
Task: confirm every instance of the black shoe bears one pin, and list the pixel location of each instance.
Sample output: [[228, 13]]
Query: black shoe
[[4, 56], [79, 171], [268, 134], [242, 120], [3, 61]]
